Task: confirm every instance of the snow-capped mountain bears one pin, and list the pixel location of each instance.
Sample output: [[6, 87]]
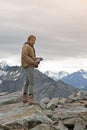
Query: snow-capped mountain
[[56, 76], [77, 79], [14, 78], [3, 65]]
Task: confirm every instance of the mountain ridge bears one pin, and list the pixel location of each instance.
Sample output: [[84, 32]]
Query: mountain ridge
[[77, 79], [14, 78], [56, 75]]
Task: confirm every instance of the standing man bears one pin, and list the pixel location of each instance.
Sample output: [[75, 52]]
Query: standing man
[[29, 62]]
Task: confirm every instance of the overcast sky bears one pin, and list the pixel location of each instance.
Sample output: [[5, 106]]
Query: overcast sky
[[59, 25]]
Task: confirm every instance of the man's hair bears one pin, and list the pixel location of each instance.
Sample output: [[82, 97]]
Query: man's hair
[[31, 36]]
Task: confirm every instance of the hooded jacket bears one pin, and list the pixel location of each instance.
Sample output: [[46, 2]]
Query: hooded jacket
[[28, 56]]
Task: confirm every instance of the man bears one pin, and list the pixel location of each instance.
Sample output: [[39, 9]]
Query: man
[[29, 62]]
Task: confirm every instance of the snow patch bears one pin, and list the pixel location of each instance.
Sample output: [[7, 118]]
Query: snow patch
[[85, 76], [11, 73], [16, 75], [2, 72], [15, 79]]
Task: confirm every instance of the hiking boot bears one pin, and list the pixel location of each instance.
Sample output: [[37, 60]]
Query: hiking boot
[[31, 100], [85, 103], [25, 98]]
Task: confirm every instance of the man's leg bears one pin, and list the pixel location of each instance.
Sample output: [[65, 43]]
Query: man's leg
[[31, 83], [26, 85], [25, 91], [31, 80]]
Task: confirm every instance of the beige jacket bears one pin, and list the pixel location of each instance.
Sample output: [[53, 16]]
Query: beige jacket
[[28, 56]]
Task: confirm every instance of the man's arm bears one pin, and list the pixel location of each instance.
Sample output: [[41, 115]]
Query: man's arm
[[27, 57]]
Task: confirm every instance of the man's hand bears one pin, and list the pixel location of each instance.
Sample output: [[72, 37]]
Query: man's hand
[[35, 64], [39, 59]]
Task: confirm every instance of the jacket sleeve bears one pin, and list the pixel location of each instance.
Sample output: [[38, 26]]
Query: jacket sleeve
[[26, 56]]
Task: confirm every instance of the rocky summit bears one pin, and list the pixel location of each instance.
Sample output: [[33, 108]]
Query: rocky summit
[[49, 114]]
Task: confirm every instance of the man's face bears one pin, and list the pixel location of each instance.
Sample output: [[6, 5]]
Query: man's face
[[32, 41]]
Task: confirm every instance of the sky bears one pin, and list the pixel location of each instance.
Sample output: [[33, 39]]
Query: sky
[[59, 25]]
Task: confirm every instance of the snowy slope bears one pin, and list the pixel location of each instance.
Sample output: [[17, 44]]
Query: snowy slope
[[56, 76]]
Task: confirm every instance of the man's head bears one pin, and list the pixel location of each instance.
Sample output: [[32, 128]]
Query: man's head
[[31, 39]]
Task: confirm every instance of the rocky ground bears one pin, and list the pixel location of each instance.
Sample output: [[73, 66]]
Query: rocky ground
[[50, 114]]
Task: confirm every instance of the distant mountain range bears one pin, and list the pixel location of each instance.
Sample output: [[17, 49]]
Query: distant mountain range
[[12, 79], [77, 79], [56, 76]]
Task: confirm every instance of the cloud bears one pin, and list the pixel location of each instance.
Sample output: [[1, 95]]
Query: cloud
[[69, 65], [60, 27]]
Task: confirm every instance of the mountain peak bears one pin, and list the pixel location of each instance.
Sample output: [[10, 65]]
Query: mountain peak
[[56, 75], [3, 65], [81, 70]]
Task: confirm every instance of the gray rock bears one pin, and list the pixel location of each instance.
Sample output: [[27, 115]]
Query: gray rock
[[18, 116], [51, 106], [42, 105], [10, 98], [53, 103], [79, 124], [3, 93], [80, 95], [49, 113], [35, 119], [45, 100], [23, 116], [69, 114], [12, 125], [43, 127], [61, 126]]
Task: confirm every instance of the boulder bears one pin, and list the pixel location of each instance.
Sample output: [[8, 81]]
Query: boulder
[[53, 103], [45, 100], [43, 127], [10, 98], [15, 115], [61, 126], [49, 113], [80, 95], [79, 124], [18, 116]]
